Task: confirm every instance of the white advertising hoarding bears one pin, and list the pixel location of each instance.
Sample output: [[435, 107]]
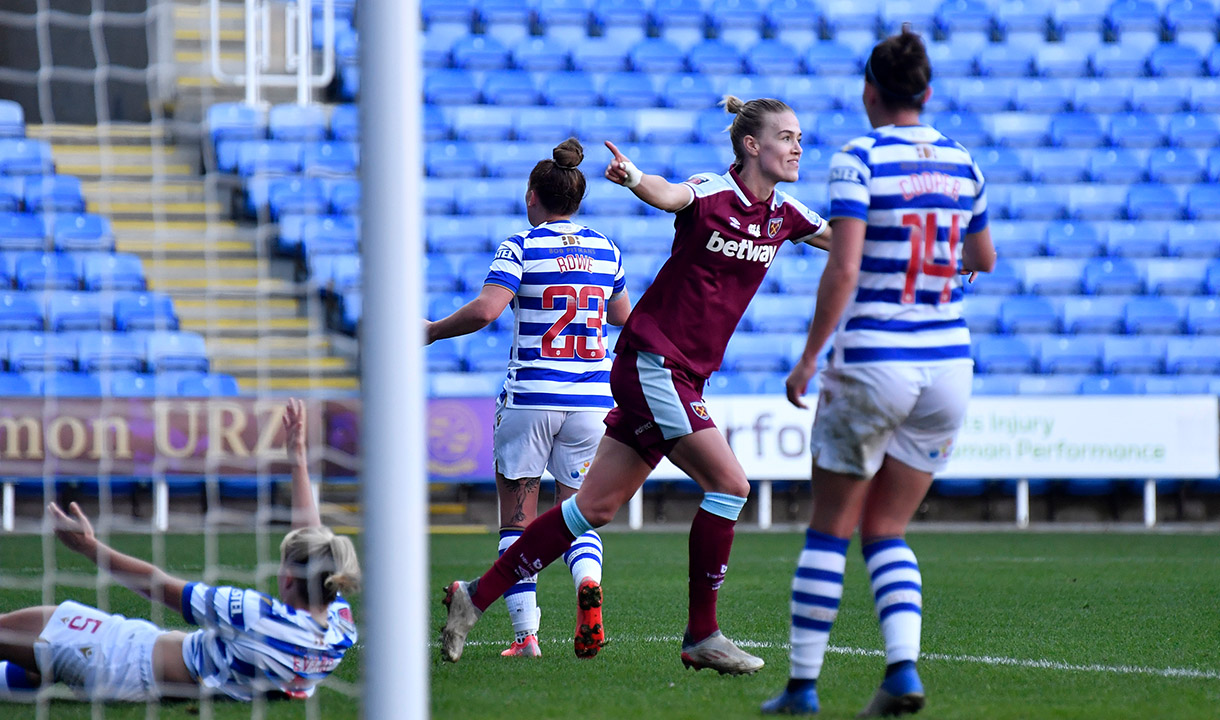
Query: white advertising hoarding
[[1005, 437]]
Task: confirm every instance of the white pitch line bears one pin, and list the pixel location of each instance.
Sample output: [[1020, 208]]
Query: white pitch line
[[1169, 672]]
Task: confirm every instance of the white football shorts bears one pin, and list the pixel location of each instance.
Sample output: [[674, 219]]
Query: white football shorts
[[866, 412], [527, 442], [103, 656]]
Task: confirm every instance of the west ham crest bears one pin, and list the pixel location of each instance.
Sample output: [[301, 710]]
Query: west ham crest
[[773, 226]]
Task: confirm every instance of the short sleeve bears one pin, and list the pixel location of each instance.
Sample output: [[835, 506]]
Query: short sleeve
[[849, 179], [220, 607], [807, 223], [506, 266], [620, 275], [978, 221]]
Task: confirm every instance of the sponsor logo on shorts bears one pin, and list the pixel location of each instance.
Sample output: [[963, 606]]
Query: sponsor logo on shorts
[[700, 409], [644, 428], [944, 451], [774, 225], [584, 468]]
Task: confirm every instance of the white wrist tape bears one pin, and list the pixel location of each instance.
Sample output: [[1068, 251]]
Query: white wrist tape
[[633, 174]]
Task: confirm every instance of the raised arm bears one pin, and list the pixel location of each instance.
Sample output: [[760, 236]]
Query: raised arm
[[652, 189], [473, 316], [304, 508], [152, 582]]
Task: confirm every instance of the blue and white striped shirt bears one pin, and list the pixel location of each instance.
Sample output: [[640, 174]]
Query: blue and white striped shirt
[[921, 194], [250, 643], [562, 274]]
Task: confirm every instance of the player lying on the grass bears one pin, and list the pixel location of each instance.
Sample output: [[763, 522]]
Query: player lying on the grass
[[727, 231], [247, 643], [903, 200], [565, 282]]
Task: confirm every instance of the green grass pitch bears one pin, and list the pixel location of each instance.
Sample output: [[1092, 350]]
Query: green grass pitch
[[1017, 625]]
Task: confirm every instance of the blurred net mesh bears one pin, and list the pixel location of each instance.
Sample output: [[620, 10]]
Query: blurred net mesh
[[117, 93]]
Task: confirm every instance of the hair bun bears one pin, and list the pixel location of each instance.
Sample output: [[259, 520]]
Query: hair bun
[[732, 104], [568, 154]]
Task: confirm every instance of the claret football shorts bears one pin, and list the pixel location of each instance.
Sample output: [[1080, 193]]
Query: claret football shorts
[[657, 402]]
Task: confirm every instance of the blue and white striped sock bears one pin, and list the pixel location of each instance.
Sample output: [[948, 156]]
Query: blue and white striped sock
[[521, 598], [584, 558], [898, 595], [817, 589], [15, 682]]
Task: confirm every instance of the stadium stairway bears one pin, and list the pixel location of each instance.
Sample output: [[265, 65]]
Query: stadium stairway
[[261, 327], [161, 210]]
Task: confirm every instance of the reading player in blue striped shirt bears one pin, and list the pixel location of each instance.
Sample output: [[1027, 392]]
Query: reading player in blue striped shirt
[[909, 212], [565, 281], [247, 643]]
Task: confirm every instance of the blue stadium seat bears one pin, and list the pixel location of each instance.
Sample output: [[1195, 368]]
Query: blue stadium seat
[[759, 352], [1101, 95], [995, 385], [779, 313], [794, 22], [543, 124], [773, 58], [47, 271], [663, 127], [1062, 384], [132, 384], [1076, 130], [112, 271], [1037, 202], [68, 310], [1070, 355], [289, 195], [12, 193], [1193, 130], [1002, 280], [599, 55], [169, 351], [256, 157], [678, 22], [1024, 17], [730, 383], [1002, 354], [487, 351], [343, 195], [1044, 96], [435, 51], [1018, 239], [1194, 240], [458, 235], [1135, 130], [490, 197], [1203, 202], [1203, 316], [689, 160], [439, 274], [537, 54], [235, 121], [1116, 166], [516, 88], [1024, 314], [1204, 96], [345, 123], [1137, 15], [1097, 202], [1112, 276], [1117, 385], [641, 235], [82, 233], [657, 56], [1153, 202], [1004, 60], [1213, 277], [634, 90], [297, 123], [1193, 355], [15, 385], [1093, 315], [1135, 240], [20, 311], [1074, 16], [832, 58], [54, 194], [1052, 276], [41, 352], [1133, 355], [68, 384], [991, 95], [1171, 276], [110, 352], [981, 312], [740, 23], [1161, 96], [609, 199], [1000, 165], [714, 57], [1117, 61], [622, 22], [19, 156], [1020, 130], [1058, 166], [12, 119], [841, 127], [438, 196], [134, 311], [217, 385], [480, 123], [800, 276], [598, 125], [966, 128], [956, 59], [1075, 240], [452, 160], [330, 235], [1172, 60], [1213, 61], [1061, 60], [1171, 166], [450, 87], [22, 231], [1151, 316], [330, 159]]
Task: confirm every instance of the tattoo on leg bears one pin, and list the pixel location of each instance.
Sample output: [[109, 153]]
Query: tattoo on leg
[[520, 489]]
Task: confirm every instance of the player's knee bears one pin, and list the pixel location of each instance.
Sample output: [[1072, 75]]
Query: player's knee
[[599, 513]]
